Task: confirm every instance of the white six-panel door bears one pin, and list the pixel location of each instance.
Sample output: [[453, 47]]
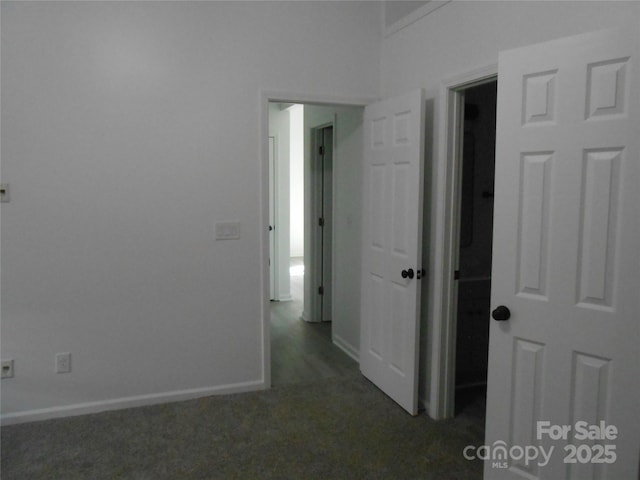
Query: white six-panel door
[[566, 258], [392, 232]]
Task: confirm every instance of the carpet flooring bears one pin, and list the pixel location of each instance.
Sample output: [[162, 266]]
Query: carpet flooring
[[337, 428]]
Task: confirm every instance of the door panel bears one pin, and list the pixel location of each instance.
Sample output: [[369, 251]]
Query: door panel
[[533, 225], [392, 229], [565, 260], [598, 230], [526, 396]]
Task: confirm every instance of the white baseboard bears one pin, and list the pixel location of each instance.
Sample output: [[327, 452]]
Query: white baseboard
[[346, 347], [127, 402]]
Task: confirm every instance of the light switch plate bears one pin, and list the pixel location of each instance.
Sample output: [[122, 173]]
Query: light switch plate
[[227, 230]]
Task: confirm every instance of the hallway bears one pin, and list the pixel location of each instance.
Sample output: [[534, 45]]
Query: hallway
[[302, 351]]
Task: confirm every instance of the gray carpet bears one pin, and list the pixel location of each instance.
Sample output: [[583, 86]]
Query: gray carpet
[[341, 428]]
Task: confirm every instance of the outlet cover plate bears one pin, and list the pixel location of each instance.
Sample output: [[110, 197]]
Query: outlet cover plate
[[63, 362]]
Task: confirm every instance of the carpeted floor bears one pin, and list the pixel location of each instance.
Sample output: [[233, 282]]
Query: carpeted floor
[[340, 428]]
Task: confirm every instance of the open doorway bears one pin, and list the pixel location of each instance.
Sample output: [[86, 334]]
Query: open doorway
[[306, 339], [474, 247], [301, 262]]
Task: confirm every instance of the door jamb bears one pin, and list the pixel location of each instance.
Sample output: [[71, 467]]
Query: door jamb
[[315, 209], [273, 263], [265, 97], [443, 312]]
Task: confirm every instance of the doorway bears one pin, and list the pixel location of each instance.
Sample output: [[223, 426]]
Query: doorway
[[301, 208], [306, 340], [472, 275]]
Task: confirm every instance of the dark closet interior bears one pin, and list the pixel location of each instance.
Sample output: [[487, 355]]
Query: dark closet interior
[[476, 231]]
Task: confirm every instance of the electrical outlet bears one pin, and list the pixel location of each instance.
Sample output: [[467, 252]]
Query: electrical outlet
[[63, 362], [7, 368]]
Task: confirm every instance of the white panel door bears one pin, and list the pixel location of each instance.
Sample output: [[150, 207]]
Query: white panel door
[[392, 236], [566, 256]]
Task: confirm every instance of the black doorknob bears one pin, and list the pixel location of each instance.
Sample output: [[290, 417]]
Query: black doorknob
[[501, 313], [270, 228], [408, 273]]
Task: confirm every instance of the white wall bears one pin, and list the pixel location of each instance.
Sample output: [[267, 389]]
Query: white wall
[[464, 35], [347, 205], [128, 130], [347, 227], [458, 38], [398, 9], [280, 129], [296, 175]]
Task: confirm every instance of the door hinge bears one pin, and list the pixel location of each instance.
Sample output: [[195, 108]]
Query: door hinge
[[456, 275], [321, 222], [320, 290], [320, 150]]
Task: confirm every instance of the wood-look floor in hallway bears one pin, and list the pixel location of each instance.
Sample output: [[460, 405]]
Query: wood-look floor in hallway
[[303, 351]]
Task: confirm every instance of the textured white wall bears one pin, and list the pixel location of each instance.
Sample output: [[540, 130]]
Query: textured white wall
[[464, 35], [347, 222], [347, 226], [128, 130], [397, 9], [296, 226], [459, 38], [280, 129]]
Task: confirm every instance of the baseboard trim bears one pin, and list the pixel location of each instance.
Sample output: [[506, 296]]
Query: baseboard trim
[[127, 402], [346, 347]]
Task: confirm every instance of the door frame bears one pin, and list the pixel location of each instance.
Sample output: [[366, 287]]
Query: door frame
[[266, 97], [316, 208], [274, 288], [441, 401]]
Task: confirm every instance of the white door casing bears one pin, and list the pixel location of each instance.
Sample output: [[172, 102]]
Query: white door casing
[[326, 227], [566, 261], [321, 170], [392, 238], [272, 220]]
